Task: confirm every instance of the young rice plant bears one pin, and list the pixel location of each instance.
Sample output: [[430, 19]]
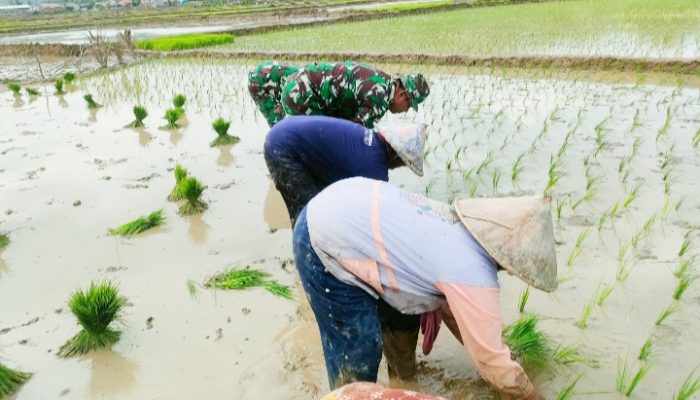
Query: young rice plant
[[140, 113], [14, 87], [4, 241], [238, 279], [222, 137], [59, 86], [91, 103], [11, 380], [180, 175], [529, 344], [140, 224], [190, 189]]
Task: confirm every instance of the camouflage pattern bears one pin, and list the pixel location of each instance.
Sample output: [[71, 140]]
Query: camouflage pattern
[[416, 86], [355, 92], [265, 84]]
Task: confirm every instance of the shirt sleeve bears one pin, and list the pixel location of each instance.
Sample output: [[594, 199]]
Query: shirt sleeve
[[372, 101], [478, 316]]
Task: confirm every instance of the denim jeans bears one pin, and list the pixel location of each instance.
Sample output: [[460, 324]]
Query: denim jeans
[[347, 317]]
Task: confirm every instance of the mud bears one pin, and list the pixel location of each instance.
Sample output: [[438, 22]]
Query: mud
[[251, 345]]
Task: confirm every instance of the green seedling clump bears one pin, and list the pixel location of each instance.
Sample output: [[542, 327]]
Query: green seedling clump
[[179, 101], [180, 175], [190, 189], [91, 103], [31, 91], [59, 86], [15, 87], [4, 241], [69, 77], [172, 115], [238, 279], [140, 113], [11, 380], [223, 138], [529, 344], [140, 224], [184, 42], [96, 309]]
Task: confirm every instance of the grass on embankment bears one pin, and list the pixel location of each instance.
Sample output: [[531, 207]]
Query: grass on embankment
[[622, 28], [185, 42]]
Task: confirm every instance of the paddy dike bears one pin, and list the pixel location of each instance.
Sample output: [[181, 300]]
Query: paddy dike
[[68, 174]]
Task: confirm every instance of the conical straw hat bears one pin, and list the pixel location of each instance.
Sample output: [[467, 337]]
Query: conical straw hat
[[517, 233], [408, 141]]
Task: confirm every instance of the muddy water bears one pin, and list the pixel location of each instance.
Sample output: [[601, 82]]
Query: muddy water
[[249, 345]]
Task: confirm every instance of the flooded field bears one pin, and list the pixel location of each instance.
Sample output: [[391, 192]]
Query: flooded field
[[620, 160]]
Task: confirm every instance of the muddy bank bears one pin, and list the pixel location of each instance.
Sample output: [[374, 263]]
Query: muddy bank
[[678, 66]]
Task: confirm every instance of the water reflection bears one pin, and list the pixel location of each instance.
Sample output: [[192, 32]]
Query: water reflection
[[225, 156], [18, 102], [175, 136], [111, 373], [199, 230]]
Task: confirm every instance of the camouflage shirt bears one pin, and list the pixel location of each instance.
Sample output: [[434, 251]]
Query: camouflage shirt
[[265, 85], [355, 92]]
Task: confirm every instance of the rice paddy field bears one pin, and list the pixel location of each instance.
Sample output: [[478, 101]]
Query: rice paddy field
[[105, 201]]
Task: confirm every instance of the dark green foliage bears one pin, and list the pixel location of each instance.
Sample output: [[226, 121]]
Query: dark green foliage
[[140, 224], [223, 138], [15, 87], [179, 101], [11, 380], [172, 115], [180, 174], [91, 103], [96, 309], [237, 279], [184, 42], [59, 86], [69, 77], [190, 189], [31, 91], [529, 344], [140, 113], [4, 240]]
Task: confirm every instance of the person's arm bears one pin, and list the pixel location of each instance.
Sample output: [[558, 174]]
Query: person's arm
[[478, 316]]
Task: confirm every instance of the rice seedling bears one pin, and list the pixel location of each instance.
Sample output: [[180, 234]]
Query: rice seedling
[[485, 163], [31, 91], [192, 288], [646, 349], [565, 355], [667, 124], [685, 267], [625, 385], [473, 189], [553, 178], [517, 167], [624, 268], [179, 101], [528, 344], [685, 246], [630, 198], [184, 42], [4, 241], [560, 207], [523, 299], [172, 115], [140, 113], [696, 138], [238, 279], [666, 313], [222, 137], [59, 86], [96, 309], [140, 224], [495, 178], [576, 251], [689, 387], [190, 189], [568, 390], [15, 88], [604, 293], [11, 380], [91, 103], [69, 77], [180, 174], [684, 282], [585, 314]]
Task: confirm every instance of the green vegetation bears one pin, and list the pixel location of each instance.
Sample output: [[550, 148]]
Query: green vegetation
[[624, 27], [11, 380], [645, 351], [683, 283], [625, 382], [179, 102], [180, 174], [172, 115], [59, 86], [238, 279], [523, 299], [185, 42], [413, 6], [568, 390], [14, 87], [140, 224], [31, 91], [688, 389], [91, 103], [529, 344], [667, 312], [140, 113], [223, 138], [4, 241], [69, 77], [190, 189], [96, 309]]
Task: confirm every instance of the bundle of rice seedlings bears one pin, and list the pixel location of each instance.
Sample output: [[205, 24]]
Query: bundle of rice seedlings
[[238, 279], [15, 87], [11, 380], [180, 175], [529, 344], [171, 116], [688, 389], [140, 113], [223, 138], [140, 224], [179, 101], [96, 309], [4, 241], [31, 91], [69, 77], [59, 86], [190, 189], [90, 102]]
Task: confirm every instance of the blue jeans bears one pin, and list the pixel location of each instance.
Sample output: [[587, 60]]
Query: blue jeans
[[347, 318]]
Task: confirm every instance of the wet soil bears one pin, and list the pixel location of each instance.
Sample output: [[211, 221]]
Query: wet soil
[[68, 174]]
